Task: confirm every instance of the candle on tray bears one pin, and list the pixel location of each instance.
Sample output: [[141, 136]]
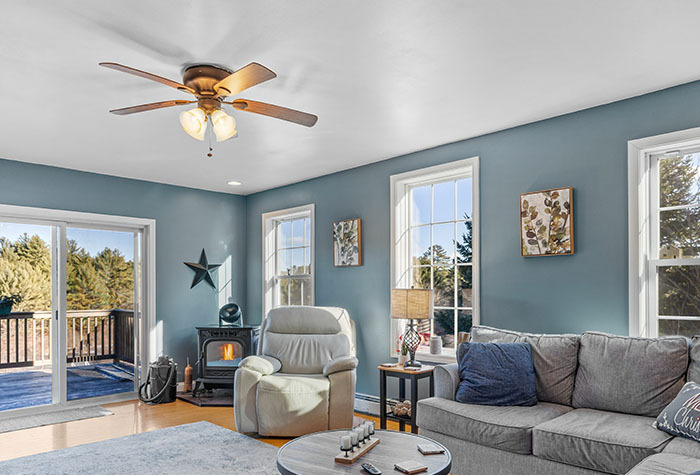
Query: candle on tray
[[360, 434], [346, 442], [371, 428], [354, 438], [365, 430]]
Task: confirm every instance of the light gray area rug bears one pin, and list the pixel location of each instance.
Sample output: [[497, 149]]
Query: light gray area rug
[[200, 447], [56, 417]]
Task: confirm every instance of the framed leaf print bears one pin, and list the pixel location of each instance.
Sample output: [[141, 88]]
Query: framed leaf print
[[347, 243], [546, 223]]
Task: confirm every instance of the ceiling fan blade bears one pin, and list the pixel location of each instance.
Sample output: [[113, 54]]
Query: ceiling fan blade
[[278, 112], [146, 75], [244, 78], [149, 107]]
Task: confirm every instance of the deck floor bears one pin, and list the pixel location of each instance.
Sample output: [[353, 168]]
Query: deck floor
[[33, 388]]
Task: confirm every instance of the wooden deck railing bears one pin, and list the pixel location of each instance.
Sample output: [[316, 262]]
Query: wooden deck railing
[[92, 335]]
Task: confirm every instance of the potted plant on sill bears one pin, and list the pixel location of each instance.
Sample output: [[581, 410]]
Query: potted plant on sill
[[7, 302], [404, 354]]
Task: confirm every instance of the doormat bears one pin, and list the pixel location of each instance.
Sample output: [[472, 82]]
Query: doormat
[[210, 398], [55, 417]]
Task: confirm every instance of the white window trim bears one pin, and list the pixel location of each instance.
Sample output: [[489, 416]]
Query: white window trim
[[642, 321], [269, 245], [400, 213]]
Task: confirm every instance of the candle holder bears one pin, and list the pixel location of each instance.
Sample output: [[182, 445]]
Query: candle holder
[[361, 443], [361, 436]]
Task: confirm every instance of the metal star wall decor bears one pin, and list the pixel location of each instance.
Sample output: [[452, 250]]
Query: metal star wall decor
[[202, 270]]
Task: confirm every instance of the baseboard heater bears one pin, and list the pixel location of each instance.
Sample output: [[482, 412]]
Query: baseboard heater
[[369, 404]]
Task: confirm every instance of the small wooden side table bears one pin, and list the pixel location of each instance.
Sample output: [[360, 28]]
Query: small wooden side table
[[398, 371]]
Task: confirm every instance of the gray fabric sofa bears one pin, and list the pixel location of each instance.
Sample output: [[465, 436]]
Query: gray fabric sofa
[[598, 395]]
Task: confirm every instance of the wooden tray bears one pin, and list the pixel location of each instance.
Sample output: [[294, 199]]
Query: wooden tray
[[354, 456]]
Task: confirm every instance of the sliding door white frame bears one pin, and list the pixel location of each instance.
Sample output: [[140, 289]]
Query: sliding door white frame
[[143, 336]]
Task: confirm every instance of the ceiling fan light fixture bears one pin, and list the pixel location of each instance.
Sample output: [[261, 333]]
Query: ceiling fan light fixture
[[194, 122], [223, 124]]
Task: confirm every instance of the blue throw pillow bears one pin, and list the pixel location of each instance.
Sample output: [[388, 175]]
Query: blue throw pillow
[[682, 416], [496, 374]]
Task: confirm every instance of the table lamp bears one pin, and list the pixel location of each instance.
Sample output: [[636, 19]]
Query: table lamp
[[411, 305]]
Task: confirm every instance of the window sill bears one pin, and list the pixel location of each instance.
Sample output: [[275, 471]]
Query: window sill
[[438, 359]]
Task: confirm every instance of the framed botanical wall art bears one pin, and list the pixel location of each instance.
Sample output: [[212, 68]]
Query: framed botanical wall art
[[546, 223], [347, 243]]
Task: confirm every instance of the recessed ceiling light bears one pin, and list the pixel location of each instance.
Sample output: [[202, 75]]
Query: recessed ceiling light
[[234, 183]]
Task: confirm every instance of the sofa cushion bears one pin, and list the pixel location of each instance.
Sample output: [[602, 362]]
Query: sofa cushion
[[666, 464], [484, 334], [694, 367], [680, 418], [597, 440], [506, 428], [555, 358], [496, 374], [683, 446], [630, 375], [292, 404]]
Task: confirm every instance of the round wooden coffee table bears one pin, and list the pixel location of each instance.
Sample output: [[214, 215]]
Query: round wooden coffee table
[[313, 454]]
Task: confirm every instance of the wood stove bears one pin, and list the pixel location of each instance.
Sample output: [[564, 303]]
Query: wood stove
[[221, 348]]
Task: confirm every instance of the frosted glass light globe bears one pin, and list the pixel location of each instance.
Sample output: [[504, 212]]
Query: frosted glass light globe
[[194, 122], [223, 124]]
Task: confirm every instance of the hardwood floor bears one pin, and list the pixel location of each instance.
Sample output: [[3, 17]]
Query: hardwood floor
[[131, 417]]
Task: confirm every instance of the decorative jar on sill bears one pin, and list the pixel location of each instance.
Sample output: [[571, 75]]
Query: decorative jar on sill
[[435, 345]]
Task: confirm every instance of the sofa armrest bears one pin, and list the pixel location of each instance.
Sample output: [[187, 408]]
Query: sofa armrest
[[446, 381], [261, 364], [344, 363]]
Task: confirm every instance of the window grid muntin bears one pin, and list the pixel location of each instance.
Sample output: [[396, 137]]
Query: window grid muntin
[[279, 247], [454, 259], [655, 245]]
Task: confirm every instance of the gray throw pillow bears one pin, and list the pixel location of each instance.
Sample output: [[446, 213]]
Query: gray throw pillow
[[681, 418]]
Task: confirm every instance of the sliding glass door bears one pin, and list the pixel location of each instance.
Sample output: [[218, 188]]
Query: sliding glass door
[[26, 326], [75, 287], [102, 293]]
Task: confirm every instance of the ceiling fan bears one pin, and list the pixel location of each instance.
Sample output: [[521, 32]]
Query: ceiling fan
[[211, 85]]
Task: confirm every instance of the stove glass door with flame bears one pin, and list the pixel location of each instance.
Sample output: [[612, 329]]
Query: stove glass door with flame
[[224, 353]]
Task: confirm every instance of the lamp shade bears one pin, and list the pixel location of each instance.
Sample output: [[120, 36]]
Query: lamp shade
[[415, 304]]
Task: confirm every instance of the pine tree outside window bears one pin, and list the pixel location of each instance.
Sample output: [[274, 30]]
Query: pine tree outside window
[[435, 246], [664, 234]]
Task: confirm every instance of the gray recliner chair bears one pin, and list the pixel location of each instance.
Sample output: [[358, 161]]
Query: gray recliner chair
[[303, 378]]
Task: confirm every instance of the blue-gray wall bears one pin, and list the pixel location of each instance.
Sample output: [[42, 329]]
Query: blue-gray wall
[[588, 290], [187, 220], [586, 150]]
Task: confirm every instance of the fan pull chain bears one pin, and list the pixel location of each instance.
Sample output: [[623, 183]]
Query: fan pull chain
[[209, 133]]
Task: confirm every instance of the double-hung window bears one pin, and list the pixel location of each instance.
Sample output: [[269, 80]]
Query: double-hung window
[[288, 257], [665, 288], [435, 246]]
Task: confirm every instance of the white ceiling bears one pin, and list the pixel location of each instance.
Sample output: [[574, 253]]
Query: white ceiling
[[385, 77]]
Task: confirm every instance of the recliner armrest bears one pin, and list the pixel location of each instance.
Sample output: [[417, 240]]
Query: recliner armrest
[[261, 364], [344, 363]]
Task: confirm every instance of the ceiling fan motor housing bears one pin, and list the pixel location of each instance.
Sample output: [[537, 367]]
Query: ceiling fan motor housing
[[201, 78]]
